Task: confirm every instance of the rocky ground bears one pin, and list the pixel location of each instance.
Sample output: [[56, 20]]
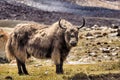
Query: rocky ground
[[97, 44]]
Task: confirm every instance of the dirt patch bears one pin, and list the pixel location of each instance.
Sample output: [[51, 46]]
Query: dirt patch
[[83, 76]]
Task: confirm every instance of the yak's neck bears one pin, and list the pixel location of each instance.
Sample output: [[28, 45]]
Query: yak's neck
[[65, 44], [52, 30]]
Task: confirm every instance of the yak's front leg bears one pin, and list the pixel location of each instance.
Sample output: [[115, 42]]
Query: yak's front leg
[[59, 67], [56, 57]]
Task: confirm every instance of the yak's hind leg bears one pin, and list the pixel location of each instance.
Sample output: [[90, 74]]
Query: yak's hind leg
[[21, 67], [24, 69]]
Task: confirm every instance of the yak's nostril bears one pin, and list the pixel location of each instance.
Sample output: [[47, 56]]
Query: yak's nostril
[[73, 43]]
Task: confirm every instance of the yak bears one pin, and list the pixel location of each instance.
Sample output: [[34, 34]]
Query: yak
[[53, 41]]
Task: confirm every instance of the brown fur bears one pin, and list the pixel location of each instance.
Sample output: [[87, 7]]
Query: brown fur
[[3, 35], [3, 40], [42, 42]]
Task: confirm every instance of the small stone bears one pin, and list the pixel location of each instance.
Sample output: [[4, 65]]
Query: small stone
[[8, 78], [114, 54], [107, 57], [105, 43], [95, 27], [113, 31], [89, 34], [90, 37], [46, 72], [87, 29], [118, 32], [115, 26], [105, 50], [98, 36], [38, 65], [105, 34], [98, 43], [93, 54], [97, 33]]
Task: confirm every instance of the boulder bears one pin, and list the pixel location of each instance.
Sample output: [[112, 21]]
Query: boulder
[[89, 34], [105, 50], [115, 26], [118, 32], [92, 54]]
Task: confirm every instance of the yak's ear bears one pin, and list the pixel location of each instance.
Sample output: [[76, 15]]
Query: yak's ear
[[82, 24], [61, 25]]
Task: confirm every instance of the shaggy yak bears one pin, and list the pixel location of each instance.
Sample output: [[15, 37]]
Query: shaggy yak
[[42, 42]]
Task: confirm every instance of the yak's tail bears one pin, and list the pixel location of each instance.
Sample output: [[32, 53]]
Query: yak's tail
[[9, 49]]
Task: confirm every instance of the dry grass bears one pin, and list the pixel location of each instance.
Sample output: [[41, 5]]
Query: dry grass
[[48, 72]]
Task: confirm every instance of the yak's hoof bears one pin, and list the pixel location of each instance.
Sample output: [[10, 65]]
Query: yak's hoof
[[26, 73], [59, 72], [21, 74]]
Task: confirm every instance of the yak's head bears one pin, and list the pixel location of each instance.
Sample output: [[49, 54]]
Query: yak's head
[[71, 32]]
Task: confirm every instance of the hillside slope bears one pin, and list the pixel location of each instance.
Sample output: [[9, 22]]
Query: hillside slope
[[17, 10], [110, 4]]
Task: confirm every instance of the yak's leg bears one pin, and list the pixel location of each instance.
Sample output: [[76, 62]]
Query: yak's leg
[[58, 68], [24, 69], [19, 67], [61, 66], [56, 59]]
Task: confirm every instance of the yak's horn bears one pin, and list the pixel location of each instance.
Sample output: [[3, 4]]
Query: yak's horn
[[60, 25], [82, 24]]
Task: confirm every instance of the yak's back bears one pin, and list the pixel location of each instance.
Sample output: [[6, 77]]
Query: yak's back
[[23, 32]]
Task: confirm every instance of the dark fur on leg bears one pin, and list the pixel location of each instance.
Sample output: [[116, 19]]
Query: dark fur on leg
[[59, 67], [19, 67], [24, 69]]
